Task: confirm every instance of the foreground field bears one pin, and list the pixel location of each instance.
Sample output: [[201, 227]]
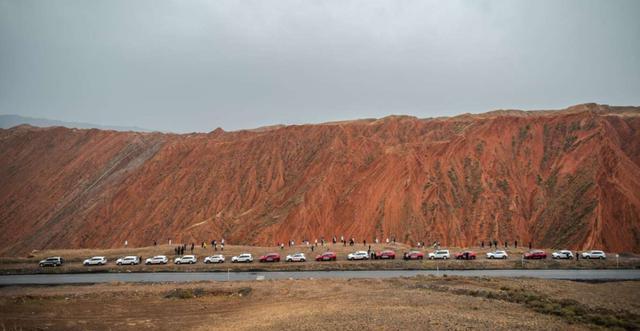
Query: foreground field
[[74, 258], [418, 303]]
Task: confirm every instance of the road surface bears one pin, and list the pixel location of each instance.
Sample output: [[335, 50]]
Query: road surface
[[55, 279]]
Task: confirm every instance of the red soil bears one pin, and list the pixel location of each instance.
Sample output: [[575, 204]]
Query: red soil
[[566, 178]]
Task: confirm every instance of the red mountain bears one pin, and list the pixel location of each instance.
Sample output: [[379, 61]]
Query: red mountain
[[567, 178]]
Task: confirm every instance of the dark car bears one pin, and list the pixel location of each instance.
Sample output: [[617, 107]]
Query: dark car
[[55, 261], [271, 257], [383, 255], [326, 256], [413, 255], [535, 255], [466, 255]]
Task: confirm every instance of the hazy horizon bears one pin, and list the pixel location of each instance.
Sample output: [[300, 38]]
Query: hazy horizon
[[195, 66]]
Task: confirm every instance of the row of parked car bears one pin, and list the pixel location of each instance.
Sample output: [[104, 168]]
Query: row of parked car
[[442, 254]]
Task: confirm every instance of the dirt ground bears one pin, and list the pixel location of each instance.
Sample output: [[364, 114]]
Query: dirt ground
[[417, 303], [74, 258]]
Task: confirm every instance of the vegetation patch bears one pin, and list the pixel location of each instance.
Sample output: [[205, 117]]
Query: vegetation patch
[[192, 293], [570, 310]]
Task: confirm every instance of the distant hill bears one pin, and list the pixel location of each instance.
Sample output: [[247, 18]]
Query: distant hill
[[9, 121]]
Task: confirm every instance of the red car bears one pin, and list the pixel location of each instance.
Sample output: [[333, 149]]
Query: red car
[[386, 255], [326, 256], [535, 254], [413, 255], [271, 257], [466, 255]]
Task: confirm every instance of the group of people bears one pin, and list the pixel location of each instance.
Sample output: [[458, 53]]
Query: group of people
[[215, 244], [350, 241], [182, 248], [494, 243]]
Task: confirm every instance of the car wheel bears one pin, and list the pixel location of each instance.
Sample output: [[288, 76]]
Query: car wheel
[[178, 262]]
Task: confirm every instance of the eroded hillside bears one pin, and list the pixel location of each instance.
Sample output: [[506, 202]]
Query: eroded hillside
[[566, 178]]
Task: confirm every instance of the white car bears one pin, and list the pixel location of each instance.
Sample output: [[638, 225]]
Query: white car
[[440, 254], [96, 260], [130, 260], [497, 255], [297, 257], [359, 255], [563, 254], [158, 259], [214, 259], [594, 255], [187, 259], [244, 257]]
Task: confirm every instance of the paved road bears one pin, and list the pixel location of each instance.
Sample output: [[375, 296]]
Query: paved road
[[625, 274]]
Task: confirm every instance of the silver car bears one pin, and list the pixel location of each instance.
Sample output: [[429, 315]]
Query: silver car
[[244, 257], [440, 254], [218, 258], [96, 260], [130, 260], [187, 259], [562, 254], [158, 259], [594, 255], [497, 255], [297, 257]]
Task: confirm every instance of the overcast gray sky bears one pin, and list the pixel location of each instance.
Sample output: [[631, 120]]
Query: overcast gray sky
[[196, 65]]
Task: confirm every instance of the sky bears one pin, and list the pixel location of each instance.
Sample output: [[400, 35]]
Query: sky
[[185, 66]]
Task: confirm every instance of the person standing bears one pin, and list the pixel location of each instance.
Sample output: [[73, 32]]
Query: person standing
[[515, 244], [126, 243], [482, 244]]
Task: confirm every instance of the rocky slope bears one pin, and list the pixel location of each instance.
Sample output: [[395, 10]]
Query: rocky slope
[[567, 178]]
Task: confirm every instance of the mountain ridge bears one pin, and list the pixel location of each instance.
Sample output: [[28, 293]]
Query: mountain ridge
[[567, 178]]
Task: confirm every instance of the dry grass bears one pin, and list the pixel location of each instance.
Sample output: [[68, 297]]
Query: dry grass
[[418, 303]]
